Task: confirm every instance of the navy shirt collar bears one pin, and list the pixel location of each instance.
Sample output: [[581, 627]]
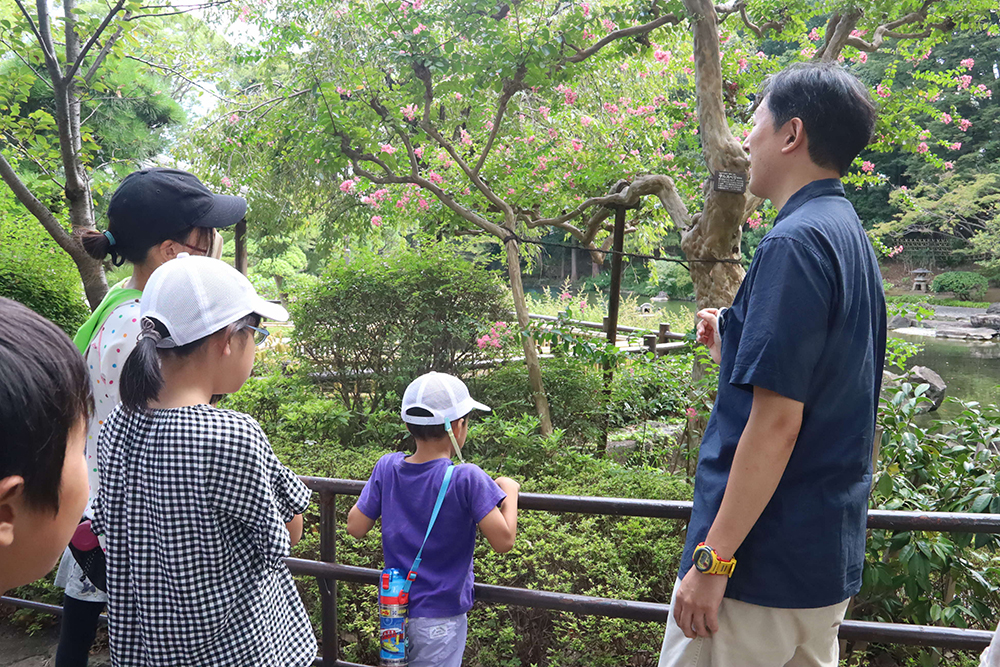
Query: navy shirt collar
[[827, 187]]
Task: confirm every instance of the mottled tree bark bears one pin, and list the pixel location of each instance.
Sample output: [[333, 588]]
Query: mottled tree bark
[[715, 232]]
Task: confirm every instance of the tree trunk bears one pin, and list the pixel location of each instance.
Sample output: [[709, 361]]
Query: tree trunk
[[573, 275], [530, 353], [595, 268], [715, 232]]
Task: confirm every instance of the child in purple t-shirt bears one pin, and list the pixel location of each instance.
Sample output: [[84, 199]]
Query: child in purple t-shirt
[[402, 491]]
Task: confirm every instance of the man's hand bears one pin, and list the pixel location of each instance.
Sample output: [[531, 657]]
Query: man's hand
[[708, 332], [696, 608]]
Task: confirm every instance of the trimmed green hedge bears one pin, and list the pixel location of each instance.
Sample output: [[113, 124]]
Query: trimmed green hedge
[[966, 285]]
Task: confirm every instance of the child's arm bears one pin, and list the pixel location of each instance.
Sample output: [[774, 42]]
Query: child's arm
[[358, 524], [500, 525], [294, 529]]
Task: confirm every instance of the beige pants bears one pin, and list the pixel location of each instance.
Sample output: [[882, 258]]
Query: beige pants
[[753, 636]]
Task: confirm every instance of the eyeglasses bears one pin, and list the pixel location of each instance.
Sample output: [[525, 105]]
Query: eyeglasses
[[260, 335]]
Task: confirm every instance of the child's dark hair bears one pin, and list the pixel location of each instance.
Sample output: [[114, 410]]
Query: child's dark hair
[[98, 245], [44, 393], [426, 431], [141, 378]]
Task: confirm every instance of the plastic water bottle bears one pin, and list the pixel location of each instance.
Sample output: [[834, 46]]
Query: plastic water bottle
[[392, 603]]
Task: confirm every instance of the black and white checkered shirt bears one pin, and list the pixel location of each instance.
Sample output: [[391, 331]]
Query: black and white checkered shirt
[[193, 507]]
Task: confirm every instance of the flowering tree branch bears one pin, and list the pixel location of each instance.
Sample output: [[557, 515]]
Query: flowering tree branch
[[510, 87], [889, 29], [760, 31], [582, 54]]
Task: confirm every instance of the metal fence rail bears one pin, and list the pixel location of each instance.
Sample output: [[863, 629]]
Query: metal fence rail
[[327, 571]]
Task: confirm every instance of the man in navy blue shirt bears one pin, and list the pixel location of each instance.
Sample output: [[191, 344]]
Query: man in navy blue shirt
[[775, 546]]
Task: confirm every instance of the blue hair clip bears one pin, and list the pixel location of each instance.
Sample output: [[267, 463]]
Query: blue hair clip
[[110, 237]]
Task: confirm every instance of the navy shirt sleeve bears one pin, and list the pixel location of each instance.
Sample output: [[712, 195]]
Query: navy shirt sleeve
[[787, 318]]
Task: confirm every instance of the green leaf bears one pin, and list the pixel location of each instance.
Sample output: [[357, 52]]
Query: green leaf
[[885, 484]]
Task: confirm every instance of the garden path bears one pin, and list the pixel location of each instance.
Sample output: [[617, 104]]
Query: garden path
[[18, 649]]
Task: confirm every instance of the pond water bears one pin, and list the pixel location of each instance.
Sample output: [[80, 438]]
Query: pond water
[[970, 369]]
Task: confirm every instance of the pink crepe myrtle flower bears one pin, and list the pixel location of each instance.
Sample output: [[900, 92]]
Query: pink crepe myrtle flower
[[882, 91], [964, 124], [808, 52], [553, 133], [968, 63], [419, 152], [945, 118], [435, 177], [610, 108], [586, 121], [409, 111], [862, 57], [347, 186], [922, 147], [964, 82], [544, 112], [609, 25], [422, 203], [668, 156], [387, 148], [233, 119], [957, 146], [691, 413], [743, 64], [814, 35], [376, 221], [651, 120], [565, 296], [586, 8], [662, 56], [576, 144], [511, 192], [569, 97], [949, 165], [466, 138], [226, 182], [419, 29], [867, 167], [458, 97], [755, 221], [895, 251]]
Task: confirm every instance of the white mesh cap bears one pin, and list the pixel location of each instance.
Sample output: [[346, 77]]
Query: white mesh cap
[[444, 396], [196, 296]]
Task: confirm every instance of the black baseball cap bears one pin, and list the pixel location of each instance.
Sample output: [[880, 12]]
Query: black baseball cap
[[153, 205]]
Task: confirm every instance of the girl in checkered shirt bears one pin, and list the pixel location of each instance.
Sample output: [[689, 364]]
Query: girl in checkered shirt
[[197, 512]]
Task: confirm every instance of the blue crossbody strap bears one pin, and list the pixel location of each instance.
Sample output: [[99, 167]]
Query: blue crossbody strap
[[412, 574]]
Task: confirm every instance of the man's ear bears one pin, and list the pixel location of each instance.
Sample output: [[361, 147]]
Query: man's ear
[[794, 135], [11, 494]]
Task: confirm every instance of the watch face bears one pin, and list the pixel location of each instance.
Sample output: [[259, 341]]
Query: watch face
[[703, 560]]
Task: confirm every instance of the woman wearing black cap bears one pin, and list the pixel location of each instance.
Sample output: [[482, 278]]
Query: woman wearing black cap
[[154, 215]]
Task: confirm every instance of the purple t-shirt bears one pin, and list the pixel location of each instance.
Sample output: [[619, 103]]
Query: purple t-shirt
[[403, 494]]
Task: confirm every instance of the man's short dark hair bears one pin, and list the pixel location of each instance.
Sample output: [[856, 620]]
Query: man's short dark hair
[[44, 392], [425, 431], [836, 110]]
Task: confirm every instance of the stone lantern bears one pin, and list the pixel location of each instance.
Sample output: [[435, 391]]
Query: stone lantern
[[920, 279]]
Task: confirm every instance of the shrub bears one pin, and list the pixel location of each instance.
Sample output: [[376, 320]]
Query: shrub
[[373, 324], [966, 285], [38, 273], [672, 278]]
